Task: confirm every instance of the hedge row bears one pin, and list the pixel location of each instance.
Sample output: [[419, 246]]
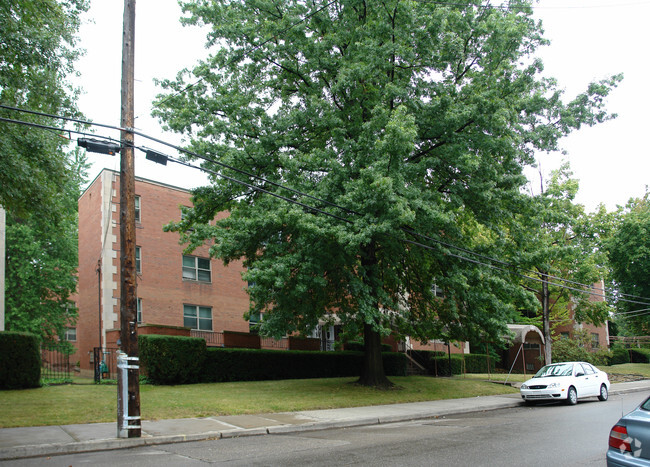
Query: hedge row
[[639, 355], [184, 360], [438, 363], [20, 360], [619, 356]]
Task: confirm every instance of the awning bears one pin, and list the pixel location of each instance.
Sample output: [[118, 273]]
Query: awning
[[520, 332]]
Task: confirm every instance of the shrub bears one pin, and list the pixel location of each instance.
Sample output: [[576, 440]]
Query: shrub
[[20, 360], [639, 355], [172, 359], [620, 355], [223, 364]]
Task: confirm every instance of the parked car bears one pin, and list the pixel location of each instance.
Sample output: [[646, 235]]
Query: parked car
[[567, 381], [629, 440]]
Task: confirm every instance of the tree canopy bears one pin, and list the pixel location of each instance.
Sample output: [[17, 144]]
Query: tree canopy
[[40, 179], [629, 258], [36, 59], [402, 129], [562, 245]]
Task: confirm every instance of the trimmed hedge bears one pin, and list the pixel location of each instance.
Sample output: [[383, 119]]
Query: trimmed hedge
[[184, 360], [223, 364], [473, 363], [639, 355], [358, 346], [619, 356], [172, 359], [20, 360]]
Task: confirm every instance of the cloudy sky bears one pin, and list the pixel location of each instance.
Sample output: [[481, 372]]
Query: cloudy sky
[[590, 40]]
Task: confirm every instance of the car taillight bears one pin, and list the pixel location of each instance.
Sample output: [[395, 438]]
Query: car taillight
[[619, 439]]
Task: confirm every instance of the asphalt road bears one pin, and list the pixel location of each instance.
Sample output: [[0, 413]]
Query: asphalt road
[[542, 435]]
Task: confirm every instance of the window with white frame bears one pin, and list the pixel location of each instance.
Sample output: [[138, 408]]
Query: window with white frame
[[70, 334], [197, 317], [196, 269], [139, 310], [137, 209], [138, 260]]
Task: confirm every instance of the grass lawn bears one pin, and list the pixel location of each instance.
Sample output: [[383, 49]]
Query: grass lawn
[[89, 403]]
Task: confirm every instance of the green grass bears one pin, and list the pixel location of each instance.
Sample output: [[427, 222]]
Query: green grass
[[642, 369], [87, 403]]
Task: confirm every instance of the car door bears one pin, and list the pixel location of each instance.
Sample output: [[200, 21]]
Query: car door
[[591, 383], [580, 381]]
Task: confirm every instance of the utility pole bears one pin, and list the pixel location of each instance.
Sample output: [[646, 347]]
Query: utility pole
[[128, 391]]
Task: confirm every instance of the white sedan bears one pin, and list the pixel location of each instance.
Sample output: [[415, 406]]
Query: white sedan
[[567, 381]]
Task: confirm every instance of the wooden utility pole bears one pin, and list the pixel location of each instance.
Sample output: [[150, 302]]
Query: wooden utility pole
[[128, 425]]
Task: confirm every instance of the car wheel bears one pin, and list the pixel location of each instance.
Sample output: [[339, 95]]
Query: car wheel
[[572, 396], [603, 393]]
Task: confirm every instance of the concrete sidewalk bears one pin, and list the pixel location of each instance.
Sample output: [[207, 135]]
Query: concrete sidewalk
[[65, 439]]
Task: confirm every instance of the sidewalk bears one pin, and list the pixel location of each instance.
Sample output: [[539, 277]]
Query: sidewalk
[[65, 439]]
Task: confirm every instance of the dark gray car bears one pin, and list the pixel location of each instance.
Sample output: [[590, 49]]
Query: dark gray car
[[629, 440]]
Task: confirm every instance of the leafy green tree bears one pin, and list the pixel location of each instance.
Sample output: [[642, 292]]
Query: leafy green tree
[[36, 58], [41, 265], [560, 240], [39, 177], [390, 120], [629, 257]]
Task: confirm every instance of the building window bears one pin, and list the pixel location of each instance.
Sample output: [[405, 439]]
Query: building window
[[139, 311], [565, 335], [437, 291], [137, 209], [197, 317], [70, 334], [196, 269], [530, 346], [138, 260], [254, 322], [595, 341]]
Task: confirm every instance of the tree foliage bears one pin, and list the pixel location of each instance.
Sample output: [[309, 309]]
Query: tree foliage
[[629, 257], [562, 244], [389, 121], [41, 266], [36, 58], [40, 178]]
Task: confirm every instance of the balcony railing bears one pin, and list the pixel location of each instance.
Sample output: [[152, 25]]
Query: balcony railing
[[212, 338], [270, 343]]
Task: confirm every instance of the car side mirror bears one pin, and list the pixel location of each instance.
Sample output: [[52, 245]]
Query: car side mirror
[[579, 374]]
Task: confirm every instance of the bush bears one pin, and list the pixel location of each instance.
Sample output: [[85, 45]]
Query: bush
[[639, 355], [20, 360], [172, 359], [358, 346], [620, 355], [438, 362], [577, 350], [223, 364]]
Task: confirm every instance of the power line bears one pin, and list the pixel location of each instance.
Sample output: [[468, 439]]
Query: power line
[[314, 209]]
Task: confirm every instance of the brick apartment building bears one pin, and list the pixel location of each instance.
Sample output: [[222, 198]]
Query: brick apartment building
[[173, 289]]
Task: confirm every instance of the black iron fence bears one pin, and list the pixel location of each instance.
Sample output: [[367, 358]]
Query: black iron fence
[[55, 364], [105, 363]]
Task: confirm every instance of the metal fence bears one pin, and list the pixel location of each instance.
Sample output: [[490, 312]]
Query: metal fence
[[105, 363], [55, 364]]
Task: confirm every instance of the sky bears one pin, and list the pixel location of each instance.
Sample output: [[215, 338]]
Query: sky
[[590, 40]]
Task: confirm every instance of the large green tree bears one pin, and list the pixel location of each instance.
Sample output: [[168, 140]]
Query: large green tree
[[629, 257], [405, 118], [41, 265], [40, 177], [561, 245], [36, 61]]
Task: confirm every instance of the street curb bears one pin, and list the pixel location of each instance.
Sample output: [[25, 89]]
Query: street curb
[[27, 451]]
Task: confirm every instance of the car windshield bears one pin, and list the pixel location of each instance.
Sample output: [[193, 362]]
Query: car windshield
[[562, 369]]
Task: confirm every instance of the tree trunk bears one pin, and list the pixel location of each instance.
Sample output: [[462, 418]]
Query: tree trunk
[[546, 320], [372, 373]]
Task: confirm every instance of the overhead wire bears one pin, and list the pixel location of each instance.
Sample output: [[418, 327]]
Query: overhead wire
[[315, 209]]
